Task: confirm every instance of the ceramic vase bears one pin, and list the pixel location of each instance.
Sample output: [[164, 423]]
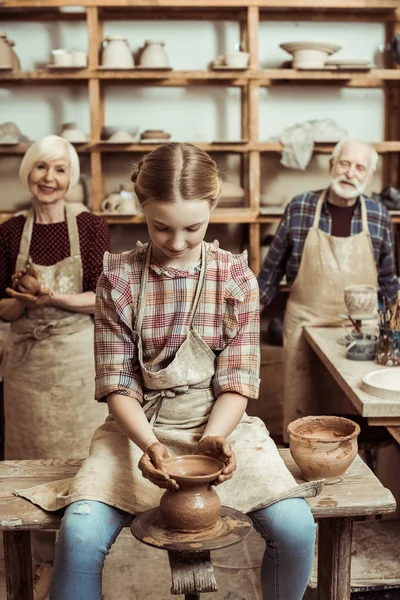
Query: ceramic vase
[[323, 446], [5, 51], [117, 53], [195, 506], [154, 55]]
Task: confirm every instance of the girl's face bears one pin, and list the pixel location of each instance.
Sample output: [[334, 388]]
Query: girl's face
[[49, 180], [177, 230]]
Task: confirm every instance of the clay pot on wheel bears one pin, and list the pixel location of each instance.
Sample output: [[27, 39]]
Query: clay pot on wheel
[[323, 447], [195, 506]]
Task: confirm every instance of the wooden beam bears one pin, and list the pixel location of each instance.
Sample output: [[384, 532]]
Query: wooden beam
[[334, 558]]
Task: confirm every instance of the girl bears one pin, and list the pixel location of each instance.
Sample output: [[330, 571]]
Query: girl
[[177, 357]]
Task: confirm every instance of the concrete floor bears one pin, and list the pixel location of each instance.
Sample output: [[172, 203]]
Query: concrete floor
[[134, 571]]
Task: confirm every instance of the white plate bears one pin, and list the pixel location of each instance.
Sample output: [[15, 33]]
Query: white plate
[[349, 61], [64, 68], [323, 46], [384, 383], [155, 141]]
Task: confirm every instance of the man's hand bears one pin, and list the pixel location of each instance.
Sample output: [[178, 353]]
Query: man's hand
[[218, 447], [152, 466]]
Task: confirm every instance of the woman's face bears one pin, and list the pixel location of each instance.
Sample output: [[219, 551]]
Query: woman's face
[[49, 180], [177, 230]]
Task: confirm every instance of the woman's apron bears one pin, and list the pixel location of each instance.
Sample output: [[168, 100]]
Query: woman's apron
[[179, 400], [328, 265], [48, 368]]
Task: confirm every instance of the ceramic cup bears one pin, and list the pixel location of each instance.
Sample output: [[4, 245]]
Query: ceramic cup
[[79, 59], [237, 59], [361, 300], [61, 57]]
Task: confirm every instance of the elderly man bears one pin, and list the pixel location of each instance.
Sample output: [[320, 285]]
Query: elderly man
[[327, 240]]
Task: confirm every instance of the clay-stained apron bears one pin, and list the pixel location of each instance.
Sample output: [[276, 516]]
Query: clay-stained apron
[[48, 367], [179, 400], [328, 265]]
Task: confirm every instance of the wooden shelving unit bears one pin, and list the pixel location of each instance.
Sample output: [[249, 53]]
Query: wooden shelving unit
[[248, 13]]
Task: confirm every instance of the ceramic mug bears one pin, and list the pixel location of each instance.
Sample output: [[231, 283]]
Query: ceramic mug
[[61, 57], [237, 59]]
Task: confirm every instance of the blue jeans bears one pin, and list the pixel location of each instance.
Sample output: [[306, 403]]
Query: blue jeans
[[89, 529]]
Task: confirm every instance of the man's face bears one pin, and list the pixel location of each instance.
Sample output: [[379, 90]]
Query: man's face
[[351, 173]]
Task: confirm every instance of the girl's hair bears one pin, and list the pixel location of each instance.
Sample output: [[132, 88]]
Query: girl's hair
[[51, 147], [176, 172]]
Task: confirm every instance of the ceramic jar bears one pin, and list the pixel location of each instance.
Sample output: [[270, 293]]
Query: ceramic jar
[[15, 63], [323, 447], [195, 506], [154, 55], [116, 53], [5, 51]]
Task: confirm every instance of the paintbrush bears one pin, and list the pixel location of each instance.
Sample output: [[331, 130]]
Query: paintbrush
[[356, 327]]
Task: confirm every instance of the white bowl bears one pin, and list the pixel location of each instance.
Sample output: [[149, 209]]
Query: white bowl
[[309, 55], [121, 137]]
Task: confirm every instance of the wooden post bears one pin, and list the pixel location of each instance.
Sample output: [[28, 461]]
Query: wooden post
[[334, 558], [254, 245], [18, 565], [192, 573], [391, 163]]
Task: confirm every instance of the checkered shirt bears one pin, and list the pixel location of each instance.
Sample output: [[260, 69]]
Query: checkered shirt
[[227, 318], [285, 252]]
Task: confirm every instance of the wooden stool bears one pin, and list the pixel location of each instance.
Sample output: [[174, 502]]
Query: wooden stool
[[189, 553]]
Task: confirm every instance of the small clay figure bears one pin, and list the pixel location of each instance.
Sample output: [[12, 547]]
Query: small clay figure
[[29, 282]]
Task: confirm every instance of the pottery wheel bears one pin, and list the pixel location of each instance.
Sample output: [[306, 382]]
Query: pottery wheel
[[149, 528]]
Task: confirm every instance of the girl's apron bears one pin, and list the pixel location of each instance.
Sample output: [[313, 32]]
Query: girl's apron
[[328, 265], [179, 400], [48, 368]]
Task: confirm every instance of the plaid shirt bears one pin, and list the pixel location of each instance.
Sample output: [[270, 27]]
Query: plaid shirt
[[286, 250], [227, 318]]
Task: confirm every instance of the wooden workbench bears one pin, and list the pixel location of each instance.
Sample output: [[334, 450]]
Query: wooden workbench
[[349, 373]]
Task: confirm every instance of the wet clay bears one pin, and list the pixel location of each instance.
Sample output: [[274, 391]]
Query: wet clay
[[29, 284], [323, 447], [195, 506]]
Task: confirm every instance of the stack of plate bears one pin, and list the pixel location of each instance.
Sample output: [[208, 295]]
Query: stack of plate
[[350, 64]]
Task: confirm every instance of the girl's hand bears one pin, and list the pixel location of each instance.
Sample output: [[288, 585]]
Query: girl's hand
[[218, 447], [152, 466], [31, 301]]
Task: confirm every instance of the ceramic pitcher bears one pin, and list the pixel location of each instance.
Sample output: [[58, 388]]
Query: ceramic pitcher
[[5, 51], [117, 53], [15, 63], [154, 54]]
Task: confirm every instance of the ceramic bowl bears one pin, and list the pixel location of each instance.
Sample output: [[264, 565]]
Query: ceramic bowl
[[309, 55], [361, 300], [121, 137], [108, 130], [193, 466], [237, 59], [323, 447]]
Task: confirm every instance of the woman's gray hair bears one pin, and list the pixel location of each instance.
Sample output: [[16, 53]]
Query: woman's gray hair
[[51, 147], [374, 155]]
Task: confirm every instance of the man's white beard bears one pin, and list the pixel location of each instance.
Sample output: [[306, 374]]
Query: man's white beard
[[347, 193]]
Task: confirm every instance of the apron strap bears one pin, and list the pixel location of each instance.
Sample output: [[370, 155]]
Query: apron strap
[[26, 236], [143, 288], [364, 216], [318, 209], [73, 233]]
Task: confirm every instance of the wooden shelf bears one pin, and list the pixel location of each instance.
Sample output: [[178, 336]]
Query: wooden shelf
[[248, 14]]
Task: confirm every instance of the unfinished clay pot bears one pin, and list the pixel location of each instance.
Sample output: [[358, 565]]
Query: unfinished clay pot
[[29, 285], [323, 447], [195, 506]]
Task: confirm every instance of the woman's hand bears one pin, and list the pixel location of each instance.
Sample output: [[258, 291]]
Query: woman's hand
[[218, 447], [30, 301], [152, 466], [26, 281]]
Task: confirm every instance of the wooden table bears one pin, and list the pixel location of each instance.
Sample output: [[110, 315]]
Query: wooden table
[[360, 493], [349, 373]]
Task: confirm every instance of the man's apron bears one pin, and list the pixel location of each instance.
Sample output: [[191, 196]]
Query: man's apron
[[48, 368], [328, 265], [179, 400]]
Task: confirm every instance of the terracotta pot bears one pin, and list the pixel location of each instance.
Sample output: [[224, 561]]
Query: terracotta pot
[[5, 51], [323, 447], [195, 506], [361, 300]]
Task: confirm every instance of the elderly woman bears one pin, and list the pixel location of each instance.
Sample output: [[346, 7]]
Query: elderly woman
[[48, 366]]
